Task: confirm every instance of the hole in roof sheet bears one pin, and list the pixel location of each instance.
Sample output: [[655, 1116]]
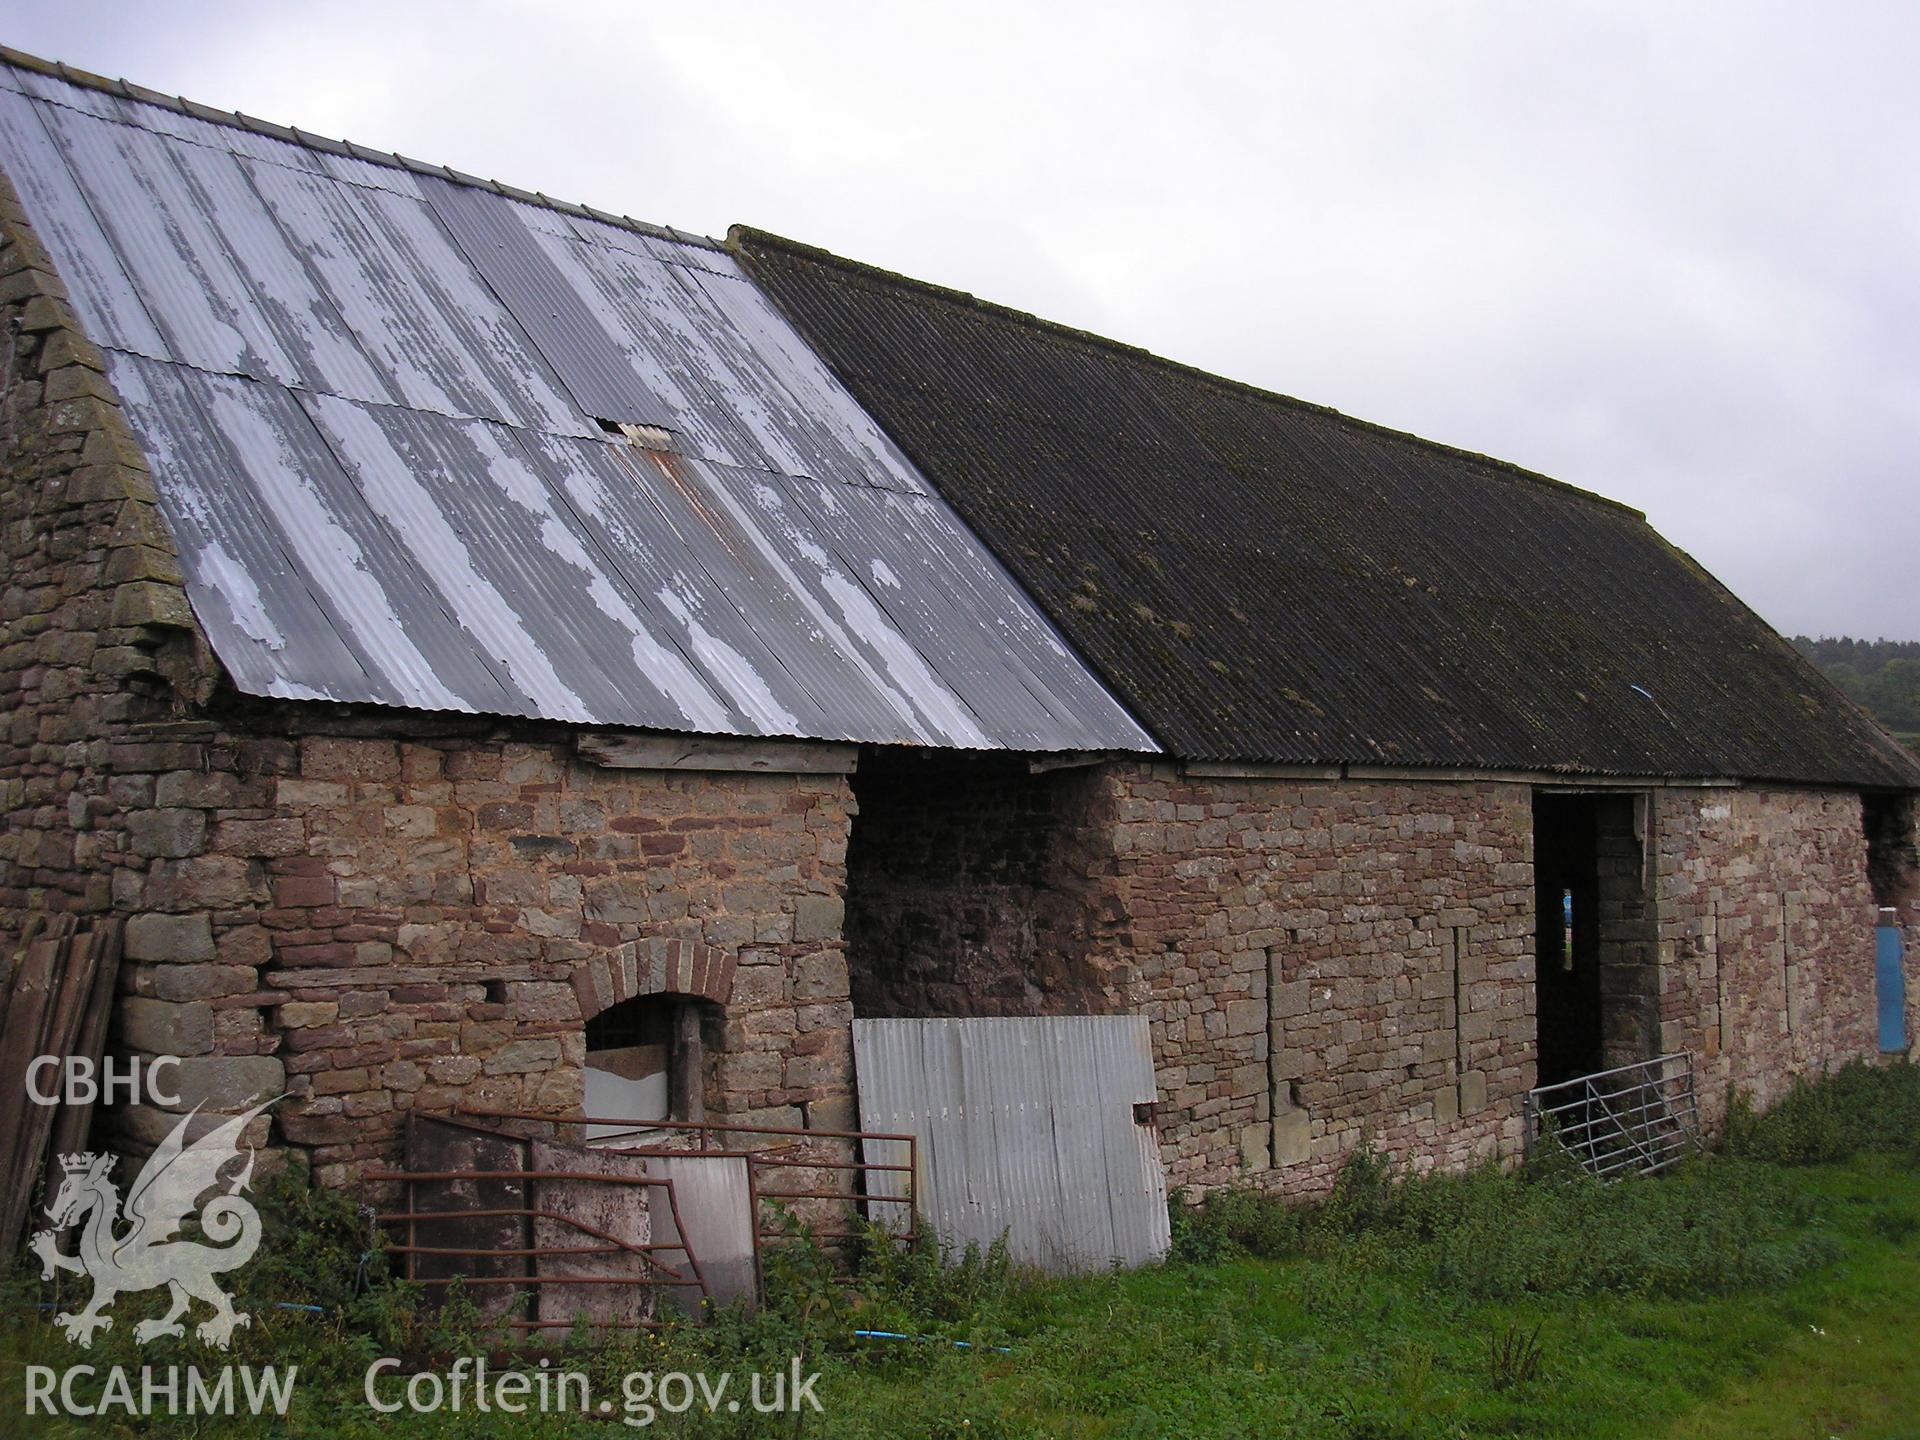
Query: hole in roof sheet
[[647, 437]]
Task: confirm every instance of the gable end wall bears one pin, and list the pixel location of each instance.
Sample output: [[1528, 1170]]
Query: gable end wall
[[99, 641]]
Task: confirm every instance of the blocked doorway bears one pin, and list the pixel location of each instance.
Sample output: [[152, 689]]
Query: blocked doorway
[[968, 886], [1596, 955]]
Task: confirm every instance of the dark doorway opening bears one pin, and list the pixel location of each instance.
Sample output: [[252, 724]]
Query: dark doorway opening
[[1892, 862], [1595, 952], [1566, 880]]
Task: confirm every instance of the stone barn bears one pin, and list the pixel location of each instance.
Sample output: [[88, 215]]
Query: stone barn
[[1470, 782], [497, 654]]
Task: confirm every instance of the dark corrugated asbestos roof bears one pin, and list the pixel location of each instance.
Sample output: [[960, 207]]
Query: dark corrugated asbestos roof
[[1268, 581]]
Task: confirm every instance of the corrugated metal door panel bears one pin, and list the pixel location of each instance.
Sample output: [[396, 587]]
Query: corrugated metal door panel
[[1025, 1126]]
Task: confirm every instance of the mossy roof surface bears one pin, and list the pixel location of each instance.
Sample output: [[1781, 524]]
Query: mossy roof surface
[[1263, 580]]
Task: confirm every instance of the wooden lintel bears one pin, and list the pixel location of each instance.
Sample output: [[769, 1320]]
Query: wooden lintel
[[708, 752], [1209, 770], [1440, 774], [1071, 760]]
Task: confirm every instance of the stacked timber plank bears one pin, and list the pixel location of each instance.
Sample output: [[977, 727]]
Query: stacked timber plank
[[56, 993]]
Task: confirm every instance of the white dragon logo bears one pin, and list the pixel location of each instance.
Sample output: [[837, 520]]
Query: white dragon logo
[[146, 1255]]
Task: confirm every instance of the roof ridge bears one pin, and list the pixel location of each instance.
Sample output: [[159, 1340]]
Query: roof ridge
[[738, 235], [393, 160]]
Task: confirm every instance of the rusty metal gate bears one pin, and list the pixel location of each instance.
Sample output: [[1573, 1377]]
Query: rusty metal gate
[[1036, 1127], [550, 1235]]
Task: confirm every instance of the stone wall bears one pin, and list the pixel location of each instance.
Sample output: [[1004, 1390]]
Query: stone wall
[[383, 924], [1325, 961], [1766, 922], [98, 640], [971, 886]]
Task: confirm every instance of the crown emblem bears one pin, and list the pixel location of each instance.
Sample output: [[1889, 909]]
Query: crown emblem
[[76, 1164]]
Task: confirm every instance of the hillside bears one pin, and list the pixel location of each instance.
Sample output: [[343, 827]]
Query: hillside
[[1881, 676]]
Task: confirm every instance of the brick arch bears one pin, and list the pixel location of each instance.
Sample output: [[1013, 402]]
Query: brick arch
[[653, 967]]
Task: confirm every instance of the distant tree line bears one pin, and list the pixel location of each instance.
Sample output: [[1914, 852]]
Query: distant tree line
[[1881, 676]]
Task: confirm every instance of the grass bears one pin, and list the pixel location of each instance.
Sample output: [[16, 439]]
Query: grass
[[1768, 1291]]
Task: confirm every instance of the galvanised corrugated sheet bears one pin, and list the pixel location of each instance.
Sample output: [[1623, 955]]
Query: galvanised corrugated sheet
[[1025, 1127], [424, 443], [1264, 580]]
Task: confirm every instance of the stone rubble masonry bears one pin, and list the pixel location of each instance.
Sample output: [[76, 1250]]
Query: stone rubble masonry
[[1327, 961], [968, 894], [1324, 962], [1766, 937], [377, 925]]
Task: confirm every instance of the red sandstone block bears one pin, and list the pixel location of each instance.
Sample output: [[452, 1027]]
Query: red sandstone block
[[317, 1037], [331, 954], [662, 844], [298, 890], [354, 934], [305, 935], [130, 758], [253, 999]]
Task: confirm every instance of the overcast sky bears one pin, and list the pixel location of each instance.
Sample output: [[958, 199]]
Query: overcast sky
[[1667, 251]]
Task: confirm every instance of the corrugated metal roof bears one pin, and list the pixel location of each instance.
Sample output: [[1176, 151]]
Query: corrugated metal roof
[[408, 433]]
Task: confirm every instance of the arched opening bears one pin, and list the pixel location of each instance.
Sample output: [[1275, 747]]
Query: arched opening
[[646, 1061]]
